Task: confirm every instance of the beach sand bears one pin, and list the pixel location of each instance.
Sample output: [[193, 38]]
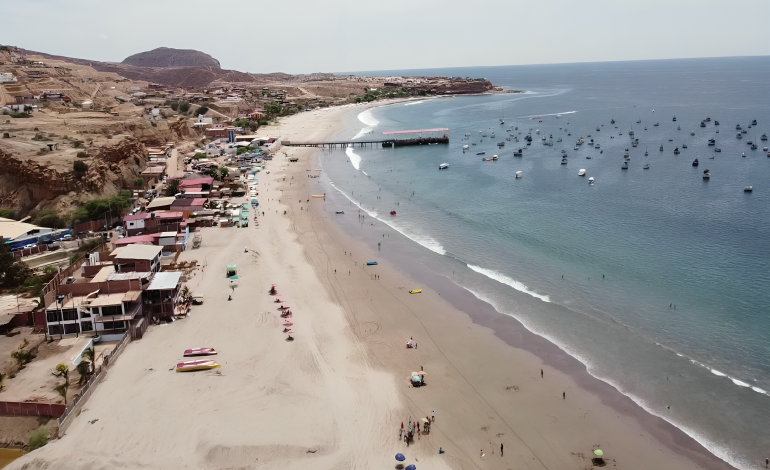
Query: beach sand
[[336, 396]]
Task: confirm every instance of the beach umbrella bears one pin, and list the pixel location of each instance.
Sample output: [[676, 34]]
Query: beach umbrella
[[426, 420], [400, 457], [410, 467], [288, 323], [599, 452]]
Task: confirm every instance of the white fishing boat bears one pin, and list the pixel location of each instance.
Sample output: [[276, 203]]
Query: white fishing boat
[[519, 174], [591, 180], [465, 147], [443, 166], [582, 172]]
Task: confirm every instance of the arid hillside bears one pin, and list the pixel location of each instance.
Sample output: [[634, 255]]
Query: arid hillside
[[169, 57]]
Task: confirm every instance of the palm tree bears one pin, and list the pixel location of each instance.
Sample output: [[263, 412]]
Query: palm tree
[[90, 355], [62, 390], [84, 369], [21, 357], [62, 370]]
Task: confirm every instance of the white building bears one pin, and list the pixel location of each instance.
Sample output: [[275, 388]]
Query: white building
[[7, 78]]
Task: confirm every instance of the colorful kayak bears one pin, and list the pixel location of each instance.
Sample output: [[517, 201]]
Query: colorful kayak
[[200, 352], [196, 365], [371, 263]]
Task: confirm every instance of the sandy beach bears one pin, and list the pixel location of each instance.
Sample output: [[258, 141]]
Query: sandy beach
[[337, 395]]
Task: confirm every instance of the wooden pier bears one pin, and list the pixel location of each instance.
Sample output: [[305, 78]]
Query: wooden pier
[[351, 143], [395, 139]]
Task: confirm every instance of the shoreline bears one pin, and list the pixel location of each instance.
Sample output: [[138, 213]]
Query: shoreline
[[514, 334]]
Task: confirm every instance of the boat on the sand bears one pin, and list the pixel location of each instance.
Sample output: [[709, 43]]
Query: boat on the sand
[[201, 364]]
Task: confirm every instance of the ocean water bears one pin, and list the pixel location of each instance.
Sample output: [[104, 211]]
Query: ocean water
[[656, 279]]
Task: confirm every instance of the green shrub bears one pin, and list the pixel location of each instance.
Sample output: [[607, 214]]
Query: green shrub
[[38, 439], [77, 143], [80, 166], [7, 214], [202, 110], [20, 115], [138, 182], [184, 106], [82, 155], [172, 188]]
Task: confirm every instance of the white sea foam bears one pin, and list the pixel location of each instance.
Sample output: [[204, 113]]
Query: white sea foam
[[759, 390], [502, 278], [739, 383], [425, 240], [552, 114], [363, 132], [716, 372], [414, 102], [355, 159], [368, 118]]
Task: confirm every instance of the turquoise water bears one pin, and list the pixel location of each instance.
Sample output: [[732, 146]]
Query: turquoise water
[[630, 247]]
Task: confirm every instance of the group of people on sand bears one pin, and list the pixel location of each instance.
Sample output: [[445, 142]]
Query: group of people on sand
[[411, 344], [413, 427]]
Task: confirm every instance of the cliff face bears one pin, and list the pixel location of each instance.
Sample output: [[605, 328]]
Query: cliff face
[[25, 185], [168, 57]]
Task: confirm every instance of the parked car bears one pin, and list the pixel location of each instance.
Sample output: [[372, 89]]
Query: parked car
[[66, 237]]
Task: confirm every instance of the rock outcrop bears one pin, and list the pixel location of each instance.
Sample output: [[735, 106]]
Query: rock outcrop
[[25, 185]]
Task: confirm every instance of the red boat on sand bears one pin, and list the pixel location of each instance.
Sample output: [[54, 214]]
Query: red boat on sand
[[200, 352]]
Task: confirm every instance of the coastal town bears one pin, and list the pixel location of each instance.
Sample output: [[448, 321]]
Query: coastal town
[[180, 288]]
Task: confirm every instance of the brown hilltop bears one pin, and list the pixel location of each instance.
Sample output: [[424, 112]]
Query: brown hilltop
[[169, 57]]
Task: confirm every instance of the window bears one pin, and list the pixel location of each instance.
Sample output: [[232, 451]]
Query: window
[[55, 330], [114, 325], [71, 328], [52, 316], [85, 313], [112, 310], [69, 313], [87, 326]]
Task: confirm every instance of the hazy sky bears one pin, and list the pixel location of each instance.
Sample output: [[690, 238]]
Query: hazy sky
[[302, 36]]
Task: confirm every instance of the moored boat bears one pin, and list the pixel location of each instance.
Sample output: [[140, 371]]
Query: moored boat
[[695, 162], [582, 172], [706, 174], [443, 166]]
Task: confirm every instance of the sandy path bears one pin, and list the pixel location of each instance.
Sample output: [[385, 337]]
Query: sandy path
[[335, 397]]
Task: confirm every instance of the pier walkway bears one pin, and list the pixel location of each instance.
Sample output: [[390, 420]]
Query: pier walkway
[[393, 139]]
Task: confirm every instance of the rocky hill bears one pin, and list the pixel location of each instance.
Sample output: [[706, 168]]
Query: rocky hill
[[168, 57]]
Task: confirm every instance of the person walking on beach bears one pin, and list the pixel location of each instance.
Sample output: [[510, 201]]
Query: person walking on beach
[[481, 454], [433, 415], [541, 373], [501, 449]]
